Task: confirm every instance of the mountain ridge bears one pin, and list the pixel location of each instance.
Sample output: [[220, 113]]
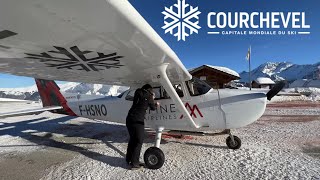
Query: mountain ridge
[[31, 92], [278, 71]]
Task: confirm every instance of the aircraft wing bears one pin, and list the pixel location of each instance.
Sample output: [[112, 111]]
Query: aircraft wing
[[30, 111], [96, 41]]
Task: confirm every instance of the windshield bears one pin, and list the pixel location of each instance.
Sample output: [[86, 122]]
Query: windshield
[[120, 95], [197, 87]]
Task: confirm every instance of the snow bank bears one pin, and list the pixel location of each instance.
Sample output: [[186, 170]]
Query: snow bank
[[306, 94], [292, 94]]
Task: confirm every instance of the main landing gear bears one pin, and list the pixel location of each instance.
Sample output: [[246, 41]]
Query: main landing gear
[[154, 157]]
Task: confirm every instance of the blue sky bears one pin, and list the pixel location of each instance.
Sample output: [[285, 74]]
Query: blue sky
[[229, 51]]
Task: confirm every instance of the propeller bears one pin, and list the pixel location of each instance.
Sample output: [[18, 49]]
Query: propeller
[[275, 90]]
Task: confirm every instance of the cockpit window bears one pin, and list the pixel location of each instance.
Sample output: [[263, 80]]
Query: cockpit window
[[120, 95], [178, 89], [130, 95], [197, 87], [161, 93]]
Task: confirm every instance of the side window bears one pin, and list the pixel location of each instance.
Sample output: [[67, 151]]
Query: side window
[[178, 89], [197, 87], [130, 95], [157, 92], [161, 93]]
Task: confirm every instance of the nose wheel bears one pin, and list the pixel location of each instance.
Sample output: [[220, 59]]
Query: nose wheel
[[233, 142], [154, 157]]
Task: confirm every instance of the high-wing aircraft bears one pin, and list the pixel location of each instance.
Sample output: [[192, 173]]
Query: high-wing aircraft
[[109, 42]]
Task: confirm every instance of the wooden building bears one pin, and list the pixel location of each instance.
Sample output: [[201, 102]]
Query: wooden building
[[215, 76], [263, 83]]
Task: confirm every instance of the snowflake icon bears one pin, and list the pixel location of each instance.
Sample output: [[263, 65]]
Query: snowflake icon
[[181, 19]]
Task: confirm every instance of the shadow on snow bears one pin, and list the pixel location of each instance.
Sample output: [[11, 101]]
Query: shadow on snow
[[98, 130]]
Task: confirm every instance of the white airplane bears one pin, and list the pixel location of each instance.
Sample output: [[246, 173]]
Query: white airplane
[[109, 42]]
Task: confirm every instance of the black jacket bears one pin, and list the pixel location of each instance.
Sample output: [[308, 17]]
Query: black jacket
[[142, 100]]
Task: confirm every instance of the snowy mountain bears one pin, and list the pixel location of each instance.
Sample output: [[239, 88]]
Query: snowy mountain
[[92, 89], [27, 93], [31, 93], [282, 71]]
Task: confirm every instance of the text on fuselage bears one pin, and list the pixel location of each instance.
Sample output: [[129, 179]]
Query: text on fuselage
[[93, 110]]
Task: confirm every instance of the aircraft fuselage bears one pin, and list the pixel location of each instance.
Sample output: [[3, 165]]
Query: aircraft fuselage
[[217, 109]]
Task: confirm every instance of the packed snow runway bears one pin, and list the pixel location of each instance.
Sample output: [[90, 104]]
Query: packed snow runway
[[282, 144]]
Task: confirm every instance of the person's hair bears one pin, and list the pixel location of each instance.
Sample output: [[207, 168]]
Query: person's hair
[[147, 86]]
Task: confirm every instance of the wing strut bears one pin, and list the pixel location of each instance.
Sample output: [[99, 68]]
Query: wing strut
[[165, 82]]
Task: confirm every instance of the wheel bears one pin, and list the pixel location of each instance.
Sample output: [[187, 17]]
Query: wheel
[[235, 145], [154, 158]]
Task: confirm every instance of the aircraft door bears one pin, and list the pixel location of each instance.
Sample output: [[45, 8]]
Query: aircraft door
[[214, 113], [167, 114], [119, 107]]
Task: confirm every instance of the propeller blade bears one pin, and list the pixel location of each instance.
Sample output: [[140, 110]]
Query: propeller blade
[[275, 90]]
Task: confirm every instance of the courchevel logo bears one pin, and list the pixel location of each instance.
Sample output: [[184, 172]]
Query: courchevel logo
[[182, 20], [258, 23]]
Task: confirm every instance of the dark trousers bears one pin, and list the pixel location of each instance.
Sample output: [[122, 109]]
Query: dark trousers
[[136, 132]]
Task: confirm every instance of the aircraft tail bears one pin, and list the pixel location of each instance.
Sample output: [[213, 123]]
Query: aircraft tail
[[50, 95]]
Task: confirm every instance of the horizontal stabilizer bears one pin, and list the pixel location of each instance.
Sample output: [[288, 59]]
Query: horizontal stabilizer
[[30, 111]]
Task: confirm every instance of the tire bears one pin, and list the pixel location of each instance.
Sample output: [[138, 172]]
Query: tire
[[237, 141], [154, 158]]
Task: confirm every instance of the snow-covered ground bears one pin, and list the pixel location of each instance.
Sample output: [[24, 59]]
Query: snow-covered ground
[[11, 100], [282, 144], [18, 105]]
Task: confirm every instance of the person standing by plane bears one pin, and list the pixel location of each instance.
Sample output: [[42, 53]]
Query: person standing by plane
[[142, 100]]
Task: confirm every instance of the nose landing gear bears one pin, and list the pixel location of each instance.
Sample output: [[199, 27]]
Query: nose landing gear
[[233, 142]]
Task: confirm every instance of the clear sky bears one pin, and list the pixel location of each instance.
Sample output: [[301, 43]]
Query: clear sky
[[229, 50]]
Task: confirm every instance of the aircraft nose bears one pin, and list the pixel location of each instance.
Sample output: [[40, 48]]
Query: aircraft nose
[[242, 108]]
